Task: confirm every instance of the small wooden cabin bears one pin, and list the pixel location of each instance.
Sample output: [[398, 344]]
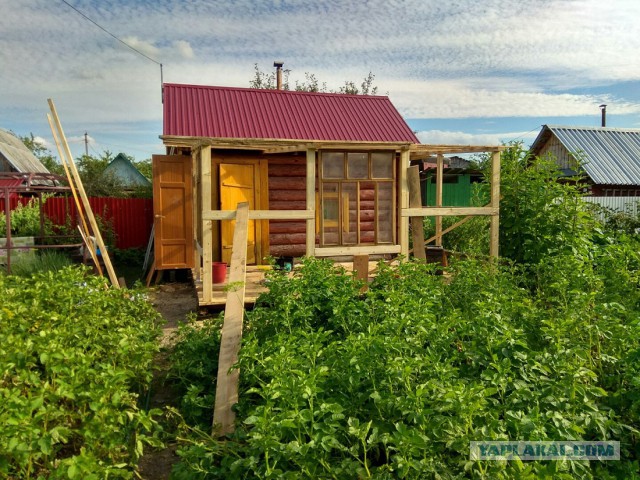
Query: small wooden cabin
[[324, 175]]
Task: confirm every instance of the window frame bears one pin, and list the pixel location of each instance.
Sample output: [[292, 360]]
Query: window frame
[[342, 197]]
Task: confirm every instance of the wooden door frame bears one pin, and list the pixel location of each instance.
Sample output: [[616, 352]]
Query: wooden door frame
[[261, 198]]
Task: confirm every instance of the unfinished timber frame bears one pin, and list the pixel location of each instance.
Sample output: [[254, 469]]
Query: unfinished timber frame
[[208, 213]]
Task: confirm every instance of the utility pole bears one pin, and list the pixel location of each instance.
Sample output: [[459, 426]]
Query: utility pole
[[86, 144]]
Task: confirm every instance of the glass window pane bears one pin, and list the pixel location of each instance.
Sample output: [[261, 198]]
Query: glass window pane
[[358, 165], [385, 212], [349, 206], [382, 165], [330, 214], [333, 165]]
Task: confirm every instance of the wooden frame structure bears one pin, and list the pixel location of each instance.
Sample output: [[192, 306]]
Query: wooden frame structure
[[207, 217]]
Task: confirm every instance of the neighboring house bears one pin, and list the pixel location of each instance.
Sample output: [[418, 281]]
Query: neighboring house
[[16, 157], [608, 158], [459, 186], [324, 175], [126, 173]]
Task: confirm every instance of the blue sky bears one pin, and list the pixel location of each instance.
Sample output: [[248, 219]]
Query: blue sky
[[459, 71]]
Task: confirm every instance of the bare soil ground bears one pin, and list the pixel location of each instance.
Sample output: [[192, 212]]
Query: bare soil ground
[[174, 301]]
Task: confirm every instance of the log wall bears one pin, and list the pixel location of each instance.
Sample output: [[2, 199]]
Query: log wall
[[287, 191]]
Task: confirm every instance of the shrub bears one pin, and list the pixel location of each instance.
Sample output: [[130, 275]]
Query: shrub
[[75, 358]]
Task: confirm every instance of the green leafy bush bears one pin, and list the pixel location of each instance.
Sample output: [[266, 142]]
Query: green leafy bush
[[25, 220], [75, 358], [194, 366], [396, 383]]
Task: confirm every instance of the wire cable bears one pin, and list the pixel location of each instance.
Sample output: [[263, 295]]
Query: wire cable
[[111, 34]]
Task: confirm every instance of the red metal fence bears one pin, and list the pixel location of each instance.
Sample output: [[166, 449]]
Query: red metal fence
[[131, 218]]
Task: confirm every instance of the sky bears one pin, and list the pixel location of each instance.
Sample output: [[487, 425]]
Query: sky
[[478, 72]]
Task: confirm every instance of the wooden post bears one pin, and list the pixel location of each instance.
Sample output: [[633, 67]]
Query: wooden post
[[417, 223], [495, 203], [207, 227], [85, 200], [404, 203], [361, 270], [439, 174], [227, 383], [311, 202], [195, 177]]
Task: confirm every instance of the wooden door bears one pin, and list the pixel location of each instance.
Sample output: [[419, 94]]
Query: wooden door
[[237, 184], [173, 211]]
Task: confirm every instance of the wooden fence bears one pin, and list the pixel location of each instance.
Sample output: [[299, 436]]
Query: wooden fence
[[131, 218]]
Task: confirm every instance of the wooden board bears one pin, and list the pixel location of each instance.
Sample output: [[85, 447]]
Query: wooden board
[[173, 212], [417, 223], [227, 380]]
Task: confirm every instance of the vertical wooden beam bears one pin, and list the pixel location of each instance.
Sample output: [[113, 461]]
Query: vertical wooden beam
[[495, 203], [207, 226], [439, 175], [197, 214], [227, 383], [404, 203], [361, 270], [311, 201], [417, 223]]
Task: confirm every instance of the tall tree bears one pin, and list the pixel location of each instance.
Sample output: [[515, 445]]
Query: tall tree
[[311, 83], [42, 153]]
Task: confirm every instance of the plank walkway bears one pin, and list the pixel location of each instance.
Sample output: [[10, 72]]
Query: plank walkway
[[255, 285]]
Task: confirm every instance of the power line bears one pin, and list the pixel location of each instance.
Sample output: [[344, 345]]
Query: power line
[[111, 34]]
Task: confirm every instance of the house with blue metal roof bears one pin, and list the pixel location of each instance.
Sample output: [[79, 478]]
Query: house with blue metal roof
[[607, 158], [126, 173]]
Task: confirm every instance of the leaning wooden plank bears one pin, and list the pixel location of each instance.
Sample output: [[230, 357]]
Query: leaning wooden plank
[[85, 200], [417, 223], [84, 230], [448, 229], [91, 248], [227, 382]]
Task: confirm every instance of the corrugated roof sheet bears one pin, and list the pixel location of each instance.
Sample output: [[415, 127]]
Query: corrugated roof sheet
[[223, 112], [10, 183], [122, 168], [611, 156], [18, 155]]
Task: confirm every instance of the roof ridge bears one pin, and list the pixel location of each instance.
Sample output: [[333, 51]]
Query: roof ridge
[[273, 91]]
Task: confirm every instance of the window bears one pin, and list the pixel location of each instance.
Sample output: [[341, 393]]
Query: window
[[357, 198]]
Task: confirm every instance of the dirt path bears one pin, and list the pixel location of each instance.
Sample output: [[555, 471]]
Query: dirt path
[[174, 301]]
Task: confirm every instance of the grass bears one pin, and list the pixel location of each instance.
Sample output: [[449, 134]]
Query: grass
[[42, 261]]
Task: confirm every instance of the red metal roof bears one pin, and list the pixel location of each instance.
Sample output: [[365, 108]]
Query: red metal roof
[[223, 112], [11, 184]]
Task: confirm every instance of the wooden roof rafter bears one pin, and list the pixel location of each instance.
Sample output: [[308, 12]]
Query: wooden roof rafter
[[278, 146]]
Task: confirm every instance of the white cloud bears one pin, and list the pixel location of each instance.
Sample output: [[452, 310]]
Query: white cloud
[[462, 59], [142, 45], [184, 49], [443, 137]]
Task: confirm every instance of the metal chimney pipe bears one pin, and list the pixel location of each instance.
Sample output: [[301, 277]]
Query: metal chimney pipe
[[603, 109], [278, 66]]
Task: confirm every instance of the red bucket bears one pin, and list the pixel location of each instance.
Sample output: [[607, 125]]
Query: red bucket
[[219, 272]]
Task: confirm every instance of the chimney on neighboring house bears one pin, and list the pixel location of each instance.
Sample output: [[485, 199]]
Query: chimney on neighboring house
[[603, 109], [278, 66]]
